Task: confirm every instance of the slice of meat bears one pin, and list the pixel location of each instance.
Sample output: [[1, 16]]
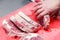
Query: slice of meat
[[11, 29], [24, 22], [31, 36], [46, 21], [21, 23], [28, 19]]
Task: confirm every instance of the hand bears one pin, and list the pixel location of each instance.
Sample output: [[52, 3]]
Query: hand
[[46, 7]]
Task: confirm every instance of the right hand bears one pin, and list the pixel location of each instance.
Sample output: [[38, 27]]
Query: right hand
[[46, 7]]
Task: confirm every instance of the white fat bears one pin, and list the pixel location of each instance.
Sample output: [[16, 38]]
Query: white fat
[[12, 18], [5, 23], [30, 35]]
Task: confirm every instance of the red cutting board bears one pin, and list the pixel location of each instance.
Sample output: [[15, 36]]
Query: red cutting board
[[52, 34]]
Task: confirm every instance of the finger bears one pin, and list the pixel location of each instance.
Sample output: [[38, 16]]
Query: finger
[[42, 14], [37, 8], [39, 11], [38, 4]]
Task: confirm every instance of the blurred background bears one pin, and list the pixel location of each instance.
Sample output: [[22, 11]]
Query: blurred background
[[7, 6]]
